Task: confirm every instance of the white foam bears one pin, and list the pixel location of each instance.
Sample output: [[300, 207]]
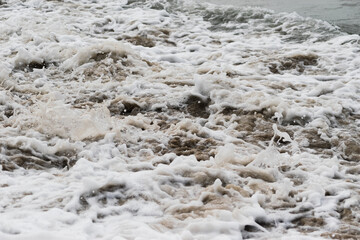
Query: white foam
[[105, 84]]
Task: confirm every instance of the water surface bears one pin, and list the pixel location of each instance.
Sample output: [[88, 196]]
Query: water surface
[[155, 119], [343, 13]]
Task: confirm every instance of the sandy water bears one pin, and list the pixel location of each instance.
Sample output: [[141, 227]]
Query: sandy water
[[172, 120]]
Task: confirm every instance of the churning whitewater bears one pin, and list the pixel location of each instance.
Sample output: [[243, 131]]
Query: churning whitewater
[[154, 119]]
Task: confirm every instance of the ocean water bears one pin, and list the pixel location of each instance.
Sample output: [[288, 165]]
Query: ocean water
[[342, 13], [152, 119]]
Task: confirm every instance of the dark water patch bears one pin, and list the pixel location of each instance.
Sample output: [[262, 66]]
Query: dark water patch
[[298, 62], [6, 111], [124, 108], [113, 195], [315, 140], [308, 224], [27, 162], [295, 177], [163, 121], [116, 191], [346, 118], [251, 232], [174, 84], [104, 25], [350, 215], [106, 72], [98, 97], [258, 130], [169, 5], [115, 56], [250, 228], [284, 168], [296, 120], [254, 231], [140, 40], [149, 37], [263, 113], [256, 173], [206, 179], [351, 150], [177, 182], [256, 126], [228, 110], [30, 66], [133, 2], [346, 234], [197, 106], [296, 36], [157, 6], [87, 99], [284, 205], [9, 111], [350, 28], [219, 17], [13, 158], [170, 43], [211, 199], [139, 168], [302, 210], [203, 149]]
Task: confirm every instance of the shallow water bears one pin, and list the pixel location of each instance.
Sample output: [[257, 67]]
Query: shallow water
[[172, 120]]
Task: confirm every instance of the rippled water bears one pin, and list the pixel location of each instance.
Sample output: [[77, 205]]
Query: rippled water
[[343, 13], [174, 120]]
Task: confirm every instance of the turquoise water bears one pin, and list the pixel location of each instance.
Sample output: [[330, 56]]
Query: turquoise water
[[343, 13]]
